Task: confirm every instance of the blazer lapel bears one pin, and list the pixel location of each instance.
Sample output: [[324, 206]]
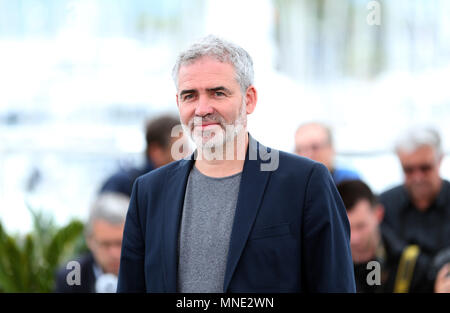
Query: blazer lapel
[[174, 188], [251, 192]]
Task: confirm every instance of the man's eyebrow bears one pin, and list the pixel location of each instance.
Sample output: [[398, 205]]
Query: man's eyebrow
[[183, 92], [220, 88]]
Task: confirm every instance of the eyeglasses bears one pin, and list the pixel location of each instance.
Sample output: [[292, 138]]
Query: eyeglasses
[[313, 147], [423, 168], [105, 245]]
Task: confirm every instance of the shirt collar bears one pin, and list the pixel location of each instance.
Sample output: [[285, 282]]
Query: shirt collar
[[97, 270], [439, 202]]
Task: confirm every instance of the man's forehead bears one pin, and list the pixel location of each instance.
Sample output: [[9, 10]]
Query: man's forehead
[[311, 133], [423, 151], [102, 224], [207, 86], [362, 208]]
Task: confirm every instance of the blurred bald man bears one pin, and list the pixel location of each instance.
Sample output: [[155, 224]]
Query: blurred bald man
[[315, 141]]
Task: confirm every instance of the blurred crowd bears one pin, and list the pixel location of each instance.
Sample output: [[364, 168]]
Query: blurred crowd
[[400, 239], [406, 229]]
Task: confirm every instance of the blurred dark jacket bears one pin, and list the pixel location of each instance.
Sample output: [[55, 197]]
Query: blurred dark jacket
[[430, 230], [123, 180], [389, 255], [87, 277]]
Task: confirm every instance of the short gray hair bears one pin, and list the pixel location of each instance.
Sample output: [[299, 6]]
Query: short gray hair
[[223, 51], [110, 207], [415, 138]]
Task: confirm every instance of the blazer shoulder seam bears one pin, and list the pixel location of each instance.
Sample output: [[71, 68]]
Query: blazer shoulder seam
[[308, 181]]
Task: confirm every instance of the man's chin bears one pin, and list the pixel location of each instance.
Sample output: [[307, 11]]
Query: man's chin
[[420, 191], [210, 145], [113, 270], [207, 142]]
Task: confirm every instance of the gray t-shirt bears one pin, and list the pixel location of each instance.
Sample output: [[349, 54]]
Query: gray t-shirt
[[206, 223]]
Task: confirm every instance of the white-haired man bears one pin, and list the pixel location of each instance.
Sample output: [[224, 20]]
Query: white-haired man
[[419, 209]]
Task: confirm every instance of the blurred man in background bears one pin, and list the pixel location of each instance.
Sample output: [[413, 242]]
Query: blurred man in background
[[370, 242], [315, 141], [158, 153], [104, 231], [418, 211]]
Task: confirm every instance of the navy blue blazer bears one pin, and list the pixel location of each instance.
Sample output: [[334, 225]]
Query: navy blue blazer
[[290, 231]]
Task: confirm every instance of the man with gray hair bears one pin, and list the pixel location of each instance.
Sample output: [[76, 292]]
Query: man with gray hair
[[236, 216], [419, 209], [103, 233]]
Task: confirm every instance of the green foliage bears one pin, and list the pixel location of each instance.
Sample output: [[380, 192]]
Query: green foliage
[[29, 263]]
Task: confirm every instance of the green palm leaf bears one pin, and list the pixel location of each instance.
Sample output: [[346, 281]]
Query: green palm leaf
[[29, 263]]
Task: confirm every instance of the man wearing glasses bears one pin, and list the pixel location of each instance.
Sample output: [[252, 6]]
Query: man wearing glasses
[[314, 141], [419, 209], [97, 270]]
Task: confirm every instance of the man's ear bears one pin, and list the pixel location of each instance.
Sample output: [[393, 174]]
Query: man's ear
[[178, 104], [251, 97], [379, 212]]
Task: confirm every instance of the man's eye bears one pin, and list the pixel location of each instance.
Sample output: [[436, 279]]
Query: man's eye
[[187, 97], [220, 94]]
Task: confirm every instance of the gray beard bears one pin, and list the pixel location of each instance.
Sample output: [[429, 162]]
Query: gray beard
[[218, 141]]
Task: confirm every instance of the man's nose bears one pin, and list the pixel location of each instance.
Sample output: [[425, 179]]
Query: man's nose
[[309, 153], [203, 106], [417, 176]]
